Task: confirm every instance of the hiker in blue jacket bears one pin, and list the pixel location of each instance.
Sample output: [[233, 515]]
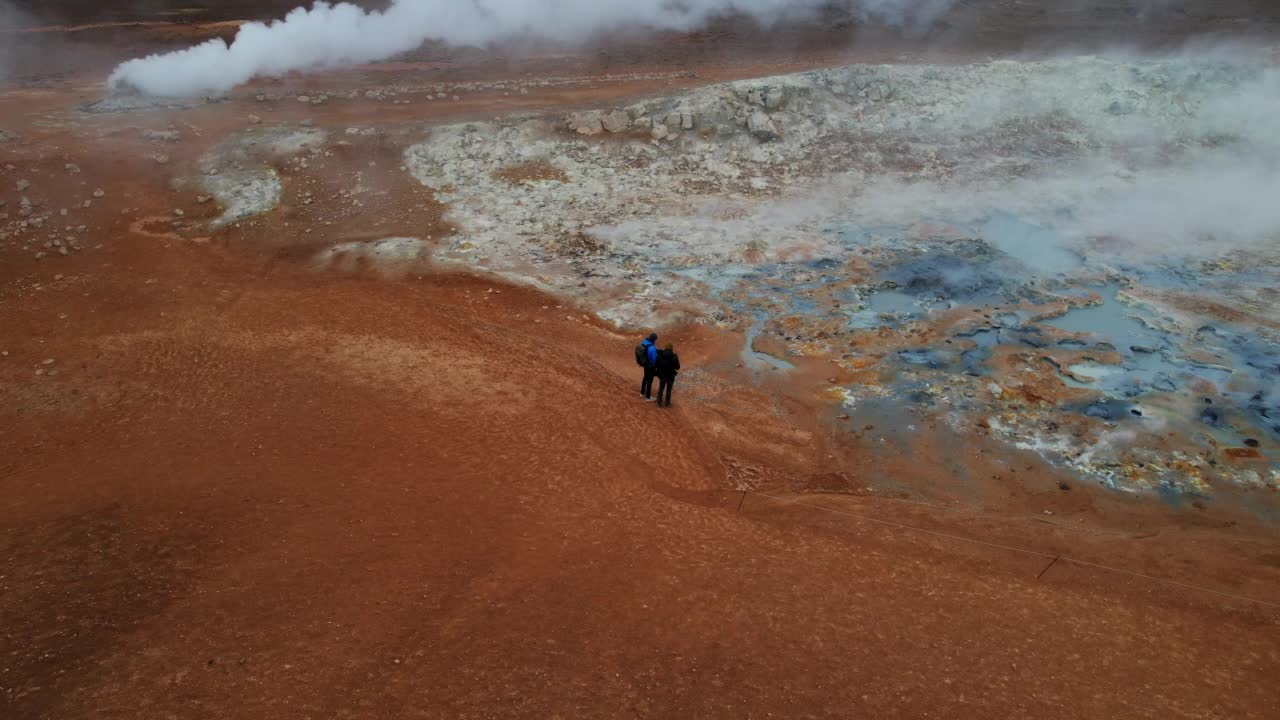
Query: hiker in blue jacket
[[647, 358]]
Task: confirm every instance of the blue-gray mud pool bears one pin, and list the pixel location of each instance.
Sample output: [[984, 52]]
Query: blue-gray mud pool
[[958, 325]]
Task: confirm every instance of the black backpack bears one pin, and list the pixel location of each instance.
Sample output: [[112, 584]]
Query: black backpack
[[642, 355]]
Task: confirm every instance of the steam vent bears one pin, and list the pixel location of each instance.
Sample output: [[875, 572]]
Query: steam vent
[[319, 364]]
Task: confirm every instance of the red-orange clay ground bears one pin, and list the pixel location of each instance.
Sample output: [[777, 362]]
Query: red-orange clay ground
[[247, 489]]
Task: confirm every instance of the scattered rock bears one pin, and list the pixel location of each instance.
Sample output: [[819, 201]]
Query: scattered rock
[[304, 98], [72, 168], [659, 132], [254, 119], [770, 98], [23, 184], [99, 193], [161, 135], [680, 118], [161, 159]]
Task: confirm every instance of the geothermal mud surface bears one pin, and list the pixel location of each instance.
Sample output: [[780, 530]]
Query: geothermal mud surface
[[1077, 255], [318, 399]]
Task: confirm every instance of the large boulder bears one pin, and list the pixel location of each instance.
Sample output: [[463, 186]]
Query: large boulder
[[616, 121], [762, 127], [588, 123]]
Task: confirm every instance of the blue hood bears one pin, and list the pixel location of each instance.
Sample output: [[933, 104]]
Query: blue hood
[[653, 351]]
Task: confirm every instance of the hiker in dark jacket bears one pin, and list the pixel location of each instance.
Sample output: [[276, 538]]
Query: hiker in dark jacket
[[647, 358], [666, 368]]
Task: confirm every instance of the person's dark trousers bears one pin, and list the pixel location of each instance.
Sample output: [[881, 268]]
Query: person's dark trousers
[[664, 391], [646, 385]]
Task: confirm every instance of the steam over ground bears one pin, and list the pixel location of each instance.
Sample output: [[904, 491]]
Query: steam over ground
[[327, 35], [1094, 233]]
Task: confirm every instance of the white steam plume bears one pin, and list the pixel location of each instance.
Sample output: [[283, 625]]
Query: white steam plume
[[11, 18], [327, 36]]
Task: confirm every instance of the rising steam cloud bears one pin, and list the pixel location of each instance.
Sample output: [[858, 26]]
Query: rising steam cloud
[[327, 36]]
